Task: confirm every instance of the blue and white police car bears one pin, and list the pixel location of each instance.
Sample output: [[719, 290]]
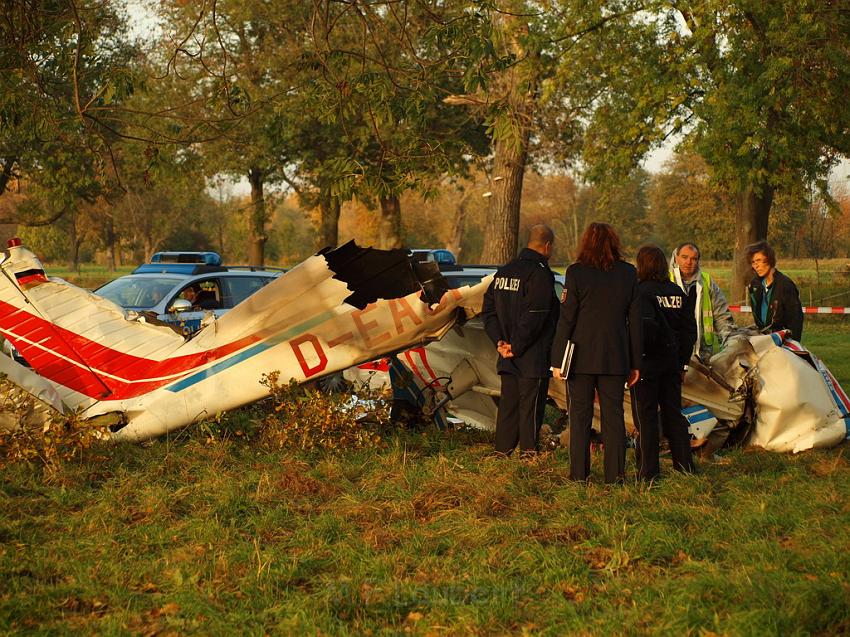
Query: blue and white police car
[[181, 288]]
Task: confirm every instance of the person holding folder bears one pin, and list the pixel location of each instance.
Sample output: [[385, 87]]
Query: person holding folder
[[600, 316]]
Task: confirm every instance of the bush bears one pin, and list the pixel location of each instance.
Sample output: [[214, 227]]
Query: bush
[[35, 433], [305, 418]]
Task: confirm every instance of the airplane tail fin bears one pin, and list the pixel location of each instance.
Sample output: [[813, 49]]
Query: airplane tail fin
[[66, 333]]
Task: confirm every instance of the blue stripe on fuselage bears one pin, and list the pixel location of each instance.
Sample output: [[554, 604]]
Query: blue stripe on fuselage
[[245, 354]]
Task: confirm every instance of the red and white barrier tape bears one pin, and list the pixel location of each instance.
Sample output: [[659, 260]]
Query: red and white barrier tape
[[809, 309]]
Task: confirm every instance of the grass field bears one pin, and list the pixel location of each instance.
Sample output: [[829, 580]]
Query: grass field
[[428, 536], [213, 532], [826, 282], [89, 275]]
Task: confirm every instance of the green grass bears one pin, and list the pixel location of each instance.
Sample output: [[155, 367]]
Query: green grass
[[829, 338], [827, 283], [428, 536], [89, 275]]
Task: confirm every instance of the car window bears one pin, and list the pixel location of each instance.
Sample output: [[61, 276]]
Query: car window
[[203, 295], [137, 293], [237, 289]]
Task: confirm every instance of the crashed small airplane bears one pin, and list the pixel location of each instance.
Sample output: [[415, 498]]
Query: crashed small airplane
[[338, 308]]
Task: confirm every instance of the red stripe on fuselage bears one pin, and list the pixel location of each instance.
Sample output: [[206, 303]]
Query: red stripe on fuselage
[[56, 344], [32, 278]]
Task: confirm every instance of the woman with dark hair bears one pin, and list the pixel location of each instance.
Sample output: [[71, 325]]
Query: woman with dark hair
[[600, 317], [773, 296], [669, 333]]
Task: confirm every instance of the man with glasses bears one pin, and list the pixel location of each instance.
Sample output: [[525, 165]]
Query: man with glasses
[[773, 296]]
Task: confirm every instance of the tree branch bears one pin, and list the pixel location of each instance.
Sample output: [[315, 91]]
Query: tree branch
[[36, 224]]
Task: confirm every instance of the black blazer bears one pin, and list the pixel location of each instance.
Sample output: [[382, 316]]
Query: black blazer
[[785, 311], [600, 313]]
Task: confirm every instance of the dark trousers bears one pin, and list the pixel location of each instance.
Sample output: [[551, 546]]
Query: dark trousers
[[520, 412], [610, 390], [664, 392]]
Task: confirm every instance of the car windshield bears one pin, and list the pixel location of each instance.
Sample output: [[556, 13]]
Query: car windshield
[[136, 292]]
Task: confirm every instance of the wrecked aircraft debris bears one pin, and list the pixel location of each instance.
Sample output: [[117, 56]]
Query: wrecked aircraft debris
[[762, 390], [341, 308], [336, 309]]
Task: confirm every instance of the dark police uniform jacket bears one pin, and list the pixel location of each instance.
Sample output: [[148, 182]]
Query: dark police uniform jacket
[[668, 325], [785, 310], [520, 307], [600, 313]]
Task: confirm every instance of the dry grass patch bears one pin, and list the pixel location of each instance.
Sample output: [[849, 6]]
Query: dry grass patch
[[293, 480], [436, 500], [568, 534], [826, 466]]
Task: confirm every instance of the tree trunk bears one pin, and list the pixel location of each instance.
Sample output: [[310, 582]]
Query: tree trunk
[[149, 247], [751, 216], [455, 243], [111, 240], [501, 230], [73, 244], [571, 246], [327, 233], [389, 227], [257, 219]]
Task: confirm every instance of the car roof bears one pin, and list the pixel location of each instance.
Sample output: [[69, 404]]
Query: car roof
[[172, 256], [483, 270], [461, 275], [200, 268], [180, 276]]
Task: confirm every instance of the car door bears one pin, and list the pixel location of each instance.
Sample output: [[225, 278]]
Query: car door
[[236, 289]]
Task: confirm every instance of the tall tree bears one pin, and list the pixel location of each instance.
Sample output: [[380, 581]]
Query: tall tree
[[758, 88], [238, 60], [687, 205], [523, 66], [383, 74], [66, 69]]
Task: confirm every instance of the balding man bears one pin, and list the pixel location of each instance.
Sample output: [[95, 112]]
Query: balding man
[[520, 314]]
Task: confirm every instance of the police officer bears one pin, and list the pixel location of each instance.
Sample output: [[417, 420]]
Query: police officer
[[520, 313], [669, 332]]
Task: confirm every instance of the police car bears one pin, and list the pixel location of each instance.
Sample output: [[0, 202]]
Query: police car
[[181, 288]]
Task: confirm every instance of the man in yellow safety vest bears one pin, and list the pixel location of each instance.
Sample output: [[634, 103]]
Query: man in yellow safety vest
[[711, 310]]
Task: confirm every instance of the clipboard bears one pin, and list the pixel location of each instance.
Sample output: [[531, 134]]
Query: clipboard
[[568, 359]]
